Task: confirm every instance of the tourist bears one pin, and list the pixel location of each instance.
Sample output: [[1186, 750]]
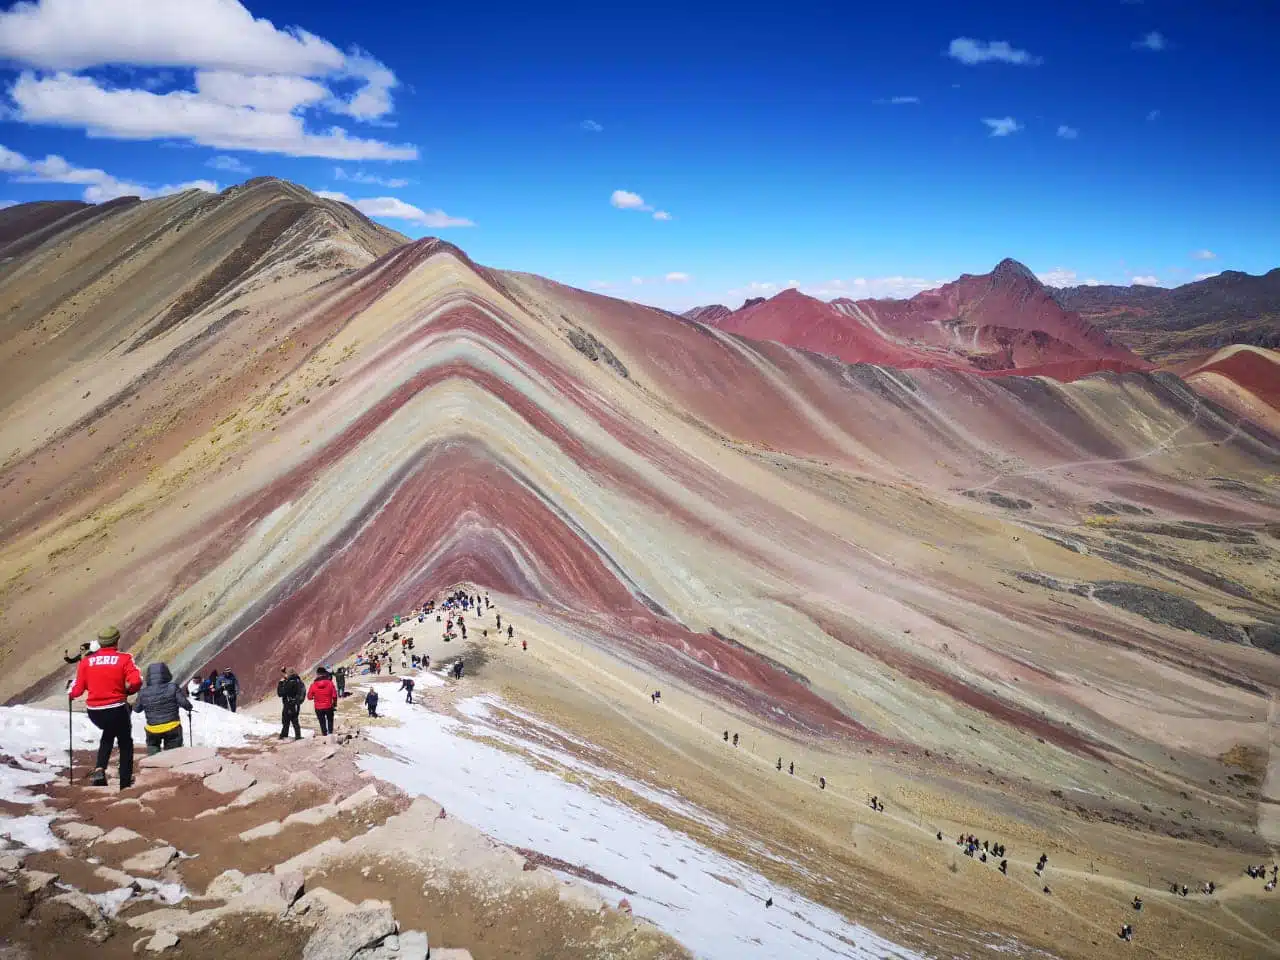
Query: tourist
[[109, 676], [292, 693], [325, 697], [161, 699], [371, 702], [406, 684], [229, 687]]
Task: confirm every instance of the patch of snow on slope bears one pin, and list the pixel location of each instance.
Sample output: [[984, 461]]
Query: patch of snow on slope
[[29, 831], [711, 903]]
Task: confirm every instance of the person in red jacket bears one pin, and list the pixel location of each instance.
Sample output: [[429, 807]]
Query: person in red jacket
[[109, 677], [325, 696]]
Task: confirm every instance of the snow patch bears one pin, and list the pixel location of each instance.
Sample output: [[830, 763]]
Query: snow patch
[[30, 831], [710, 902]]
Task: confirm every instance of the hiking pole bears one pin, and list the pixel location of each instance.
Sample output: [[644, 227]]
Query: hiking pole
[[71, 743], [191, 723]]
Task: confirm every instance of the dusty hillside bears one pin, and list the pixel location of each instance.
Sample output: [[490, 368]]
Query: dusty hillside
[[245, 440]]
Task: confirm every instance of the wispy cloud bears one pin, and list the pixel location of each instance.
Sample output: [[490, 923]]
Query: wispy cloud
[[591, 126], [626, 200], [1067, 133], [897, 101], [359, 176], [1153, 41], [677, 277], [971, 52], [1206, 276], [1153, 115], [229, 164], [1002, 126], [99, 186], [1058, 277], [1203, 255], [393, 208], [1144, 281]]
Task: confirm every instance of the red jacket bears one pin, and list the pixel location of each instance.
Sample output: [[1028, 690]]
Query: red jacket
[[324, 693], [109, 675]]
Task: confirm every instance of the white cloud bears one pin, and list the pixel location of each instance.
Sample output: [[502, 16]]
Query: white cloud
[[897, 101], [591, 126], [1206, 276], [661, 215], [601, 285], [1058, 277], [252, 80], [393, 208], [77, 101], [1144, 281], [359, 176], [8, 203], [1002, 126], [1153, 41], [637, 281], [1153, 115], [1203, 255], [971, 52], [1067, 133], [677, 277], [873, 288], [99, 186], [626, 200], [229, 164]]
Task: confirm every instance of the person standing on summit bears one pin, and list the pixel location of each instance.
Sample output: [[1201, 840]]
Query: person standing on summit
[[109, 677]]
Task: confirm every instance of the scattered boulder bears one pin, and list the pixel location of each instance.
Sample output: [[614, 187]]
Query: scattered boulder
[[313, 816], [169, 759], [321, 903], [118, 835], [75, 832], [310, 859], [262, 831], [117, 877], [228, 884], [159, 794], [201, 768], [362, 797], [34, 881], [82, 906], [151, 861], [162, 941], [10, 864], [231, 779], [343, 937]]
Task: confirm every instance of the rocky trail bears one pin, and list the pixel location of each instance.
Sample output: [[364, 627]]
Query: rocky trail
[[286, 849]]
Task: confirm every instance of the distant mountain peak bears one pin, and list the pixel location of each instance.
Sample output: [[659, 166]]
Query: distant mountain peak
[[1010, 270]]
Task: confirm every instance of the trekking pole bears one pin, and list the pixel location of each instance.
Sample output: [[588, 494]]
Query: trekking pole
[[71, 744], [191, 723]]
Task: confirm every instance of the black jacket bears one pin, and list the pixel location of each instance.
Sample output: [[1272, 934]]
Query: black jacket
[[161, 697], [292, 690], [228, 684]]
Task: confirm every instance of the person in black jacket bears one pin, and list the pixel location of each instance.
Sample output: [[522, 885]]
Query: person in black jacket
[[292, 694], [161, 699], [230, 689]]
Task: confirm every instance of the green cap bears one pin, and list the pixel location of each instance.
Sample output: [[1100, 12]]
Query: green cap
[[109, 635]]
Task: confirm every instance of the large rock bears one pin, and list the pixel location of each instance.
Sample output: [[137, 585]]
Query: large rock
[[158, 794], [319, 904], [175, 920], [231, 779], [343, 937], [99, 930], [117, 877], [176, 758], [118, 835], [33, 881], [262, 831], [405, 946], [228, 884], [313, 816], [201, 768], [362, 797], [310, 859], [74, 831], [152, 861], [162, 941]]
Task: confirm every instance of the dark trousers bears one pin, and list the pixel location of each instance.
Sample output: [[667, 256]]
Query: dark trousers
[[289, 716], [164, 741], [231, 702], [326, 721], [373, 709], [116, 724]]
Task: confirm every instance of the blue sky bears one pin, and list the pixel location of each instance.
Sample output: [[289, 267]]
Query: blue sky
[[678, 153]]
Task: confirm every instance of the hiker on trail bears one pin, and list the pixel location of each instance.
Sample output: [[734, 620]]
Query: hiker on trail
[[291, 692], [371, 701], [109, 677], [510, 632], [230, 689], [735, 739], [325, 697], [85, 648], [217, 682], [340, 676], [779, 764], [1137, 903], [161, 699], [499, 621], [457, 669], [1126, 932], [1004, 866], [407, 686], [524, 645], [791, 768], [822, 783], [726, 736], [193, 687]]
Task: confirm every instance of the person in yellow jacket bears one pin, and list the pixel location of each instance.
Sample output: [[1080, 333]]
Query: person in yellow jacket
[[161, 699]]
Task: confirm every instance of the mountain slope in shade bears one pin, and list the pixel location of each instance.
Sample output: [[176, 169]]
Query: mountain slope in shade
[[947, 583], [711, 313], [993, 323], [1171, 325]]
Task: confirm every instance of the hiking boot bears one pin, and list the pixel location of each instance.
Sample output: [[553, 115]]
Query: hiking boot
[[98, 778], [126, 784]]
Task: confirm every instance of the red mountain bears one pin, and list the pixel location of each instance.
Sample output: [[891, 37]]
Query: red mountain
[[1001, 322]]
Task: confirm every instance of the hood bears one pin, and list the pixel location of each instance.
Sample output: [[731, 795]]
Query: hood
[[157, 674]]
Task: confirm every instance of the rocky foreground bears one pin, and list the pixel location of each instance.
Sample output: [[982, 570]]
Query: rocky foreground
[[281, 849]]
